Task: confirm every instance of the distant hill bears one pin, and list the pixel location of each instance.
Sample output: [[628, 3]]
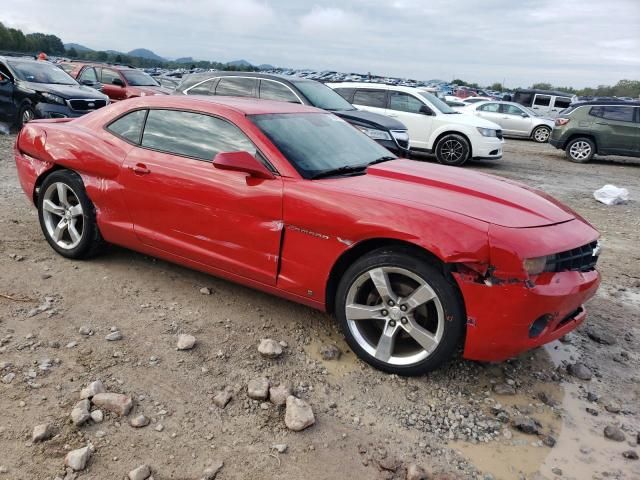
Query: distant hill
[[185, 60], [266, 66], [239, 63], [115, 52], [144, 53], [77, 47]]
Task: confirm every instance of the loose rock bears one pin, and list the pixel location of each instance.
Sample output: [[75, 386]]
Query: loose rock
[[258, 388], [600, 336], [269, 348], [205, 291], [77, 459], [211, 472], [527, 425], [330, 352], [222, 398], [186, 342], [114, 336], [114, 402], [80, 412], [41, 433], [141, 473], [630, 454], [280, 447], [614, 433], [278, 395], [504, 389], [8, 378], [416, 472], [579, 370], [97, 416], [139, 421], [92, 389], [298, 414], [85, 330]]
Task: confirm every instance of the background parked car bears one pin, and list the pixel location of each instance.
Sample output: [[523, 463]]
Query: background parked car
[[434, 127], [37, 89], [389, 133], [598, 127], [544, 102], [118, 82], [515, 120]]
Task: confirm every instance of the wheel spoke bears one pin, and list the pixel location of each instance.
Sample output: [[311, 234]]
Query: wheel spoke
[[355, 311], [60, 228], [425, 339], [76, 210], [420, 295], [51, 207], [73, 232], [62, 194], [387, 341], [381, 281]]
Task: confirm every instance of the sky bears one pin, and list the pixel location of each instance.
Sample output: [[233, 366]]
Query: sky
[[564, 42]]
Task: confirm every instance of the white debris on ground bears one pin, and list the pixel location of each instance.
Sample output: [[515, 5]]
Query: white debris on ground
[[611, 195]]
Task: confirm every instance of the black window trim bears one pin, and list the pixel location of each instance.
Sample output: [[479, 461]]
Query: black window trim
[[105, 127], [374, 89]]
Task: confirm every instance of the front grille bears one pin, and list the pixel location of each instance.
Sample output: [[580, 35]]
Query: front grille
[[499, 134], [84, 105], [580, 259]]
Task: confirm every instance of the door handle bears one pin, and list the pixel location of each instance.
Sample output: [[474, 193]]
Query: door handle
[[139, 169]]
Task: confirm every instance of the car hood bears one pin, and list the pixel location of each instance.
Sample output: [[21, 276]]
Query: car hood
[[370, 119], [151, 90], [468, 119], [484, 197], [66, 91]]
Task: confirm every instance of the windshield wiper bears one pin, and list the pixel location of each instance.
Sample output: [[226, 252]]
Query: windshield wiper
[[386, 158], [346, 169]]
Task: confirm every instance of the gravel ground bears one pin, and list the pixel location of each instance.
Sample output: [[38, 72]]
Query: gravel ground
[[528, 418]]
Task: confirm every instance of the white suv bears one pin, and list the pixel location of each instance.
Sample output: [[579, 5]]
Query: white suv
[[434, 127]]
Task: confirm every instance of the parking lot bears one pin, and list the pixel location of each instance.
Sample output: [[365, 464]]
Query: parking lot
[[463, 421]]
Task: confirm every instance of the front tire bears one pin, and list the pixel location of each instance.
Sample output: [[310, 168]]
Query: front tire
[[67, 216], [399, 313], [452, 150], [25, 115], [541, 134], [580, 150]]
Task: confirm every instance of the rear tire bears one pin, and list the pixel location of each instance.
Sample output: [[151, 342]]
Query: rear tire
[[67, 216], [25, 115], [541, 134], [580, 150], [452, 150], [412, 326]]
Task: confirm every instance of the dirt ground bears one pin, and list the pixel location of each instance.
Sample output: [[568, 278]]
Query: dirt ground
[[368, 424]]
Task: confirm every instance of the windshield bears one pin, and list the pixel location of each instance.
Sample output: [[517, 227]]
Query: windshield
[[41, 72], [436, 102], [136, 78], [323, 97], [319, 142]]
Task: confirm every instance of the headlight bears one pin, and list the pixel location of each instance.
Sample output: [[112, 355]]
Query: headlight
[[535, 266], [375, 134], [400, 135], [51, 98], [487, 132]]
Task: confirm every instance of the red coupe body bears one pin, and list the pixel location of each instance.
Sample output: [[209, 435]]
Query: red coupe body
[[294, 237]]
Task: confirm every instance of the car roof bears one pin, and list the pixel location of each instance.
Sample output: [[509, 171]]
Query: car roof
[[99, 64], [291, 80], [25, 59], [381, 86], [617, 103], [243, 105], [543, 92]]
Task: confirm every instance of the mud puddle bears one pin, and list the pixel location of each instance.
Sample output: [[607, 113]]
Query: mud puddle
[[348, 361]]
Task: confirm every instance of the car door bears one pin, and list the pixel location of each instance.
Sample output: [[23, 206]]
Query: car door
[[113, 91], [617, 129], [406, 108], [515, 121], [371, 100], [489, 111], [7, 104], [559, 104], [541, 104], [180, 203], [88, 76]]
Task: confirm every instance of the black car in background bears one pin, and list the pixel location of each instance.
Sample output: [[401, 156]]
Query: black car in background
[[388, 132], [38, 89]]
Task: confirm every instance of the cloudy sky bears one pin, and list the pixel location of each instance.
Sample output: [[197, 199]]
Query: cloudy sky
[[565, 42]]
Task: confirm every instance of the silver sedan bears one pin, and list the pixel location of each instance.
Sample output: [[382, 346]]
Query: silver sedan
[[515, 119]]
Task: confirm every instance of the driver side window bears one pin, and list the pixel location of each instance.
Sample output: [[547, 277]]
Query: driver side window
[[404, 102], [88, 74], [512, 110], [489, 107], [108, 76]]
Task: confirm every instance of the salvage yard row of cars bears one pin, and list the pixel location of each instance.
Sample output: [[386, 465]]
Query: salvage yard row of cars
[[244, 177]]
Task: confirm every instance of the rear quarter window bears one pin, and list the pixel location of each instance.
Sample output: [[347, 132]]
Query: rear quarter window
[[370, 98], [129, 127]]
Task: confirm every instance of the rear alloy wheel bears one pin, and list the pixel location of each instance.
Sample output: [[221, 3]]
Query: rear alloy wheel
[[452, 150], [580, 150], [25, 115], [67, 216], [399, 313], [541, 134]]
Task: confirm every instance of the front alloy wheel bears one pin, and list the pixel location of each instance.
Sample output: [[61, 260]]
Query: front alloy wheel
[[541, 135], [452, 150], [399, 313]]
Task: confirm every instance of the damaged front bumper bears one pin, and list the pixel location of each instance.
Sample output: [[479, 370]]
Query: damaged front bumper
[[509, 312]]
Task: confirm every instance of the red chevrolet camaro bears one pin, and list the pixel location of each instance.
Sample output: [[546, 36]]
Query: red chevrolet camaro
[[412, 258]]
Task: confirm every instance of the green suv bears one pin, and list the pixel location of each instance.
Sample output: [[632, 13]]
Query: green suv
[[598, 127]]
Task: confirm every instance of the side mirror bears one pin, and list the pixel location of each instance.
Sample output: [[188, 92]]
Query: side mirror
[[117, 81], [88, 83], [242, 162], [426, 110], [524, 115]]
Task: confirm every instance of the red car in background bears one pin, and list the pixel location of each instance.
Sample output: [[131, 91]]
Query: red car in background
[[118, 82], [412, 258]]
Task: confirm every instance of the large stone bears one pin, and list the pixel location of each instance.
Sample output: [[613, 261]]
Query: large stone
[[114, 402], [527, 425], [416, 472], [114, 336], [504, 389], [330, 352], [211, 472], [630, 454], [269, 348], [614, 433], [298, 414], [600, 336], [278, 395], [141, 473], [139, 421], [186, 342], [41, 433], [80, 412], [222, 398], [579, 370], [92, 389], [258, 388], [77, 459]]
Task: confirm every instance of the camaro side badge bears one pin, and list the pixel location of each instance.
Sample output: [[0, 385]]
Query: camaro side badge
[[308, 232]]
